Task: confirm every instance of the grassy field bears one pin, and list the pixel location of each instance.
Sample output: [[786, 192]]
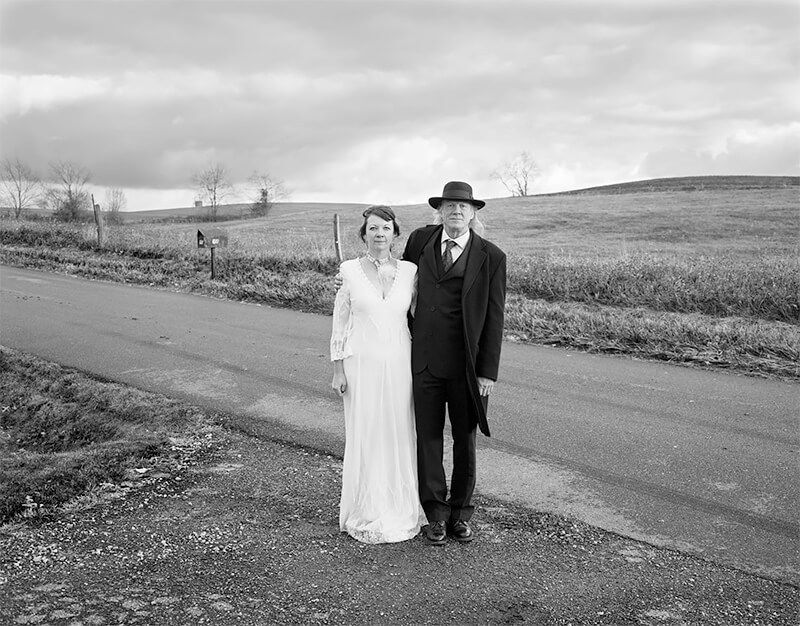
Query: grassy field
[[703, 274], [744, 222]]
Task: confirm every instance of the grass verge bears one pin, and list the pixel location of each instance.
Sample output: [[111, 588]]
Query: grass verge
[[753, 347], [67, 436]]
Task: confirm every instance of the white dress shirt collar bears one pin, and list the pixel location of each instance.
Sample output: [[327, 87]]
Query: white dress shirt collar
[[461, 241]]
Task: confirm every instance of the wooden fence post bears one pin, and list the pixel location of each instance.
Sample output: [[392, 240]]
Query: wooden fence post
[[337, 240], [98, 220]]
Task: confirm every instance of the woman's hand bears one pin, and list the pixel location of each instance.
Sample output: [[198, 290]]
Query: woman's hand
[[339, 382], [338, 281]]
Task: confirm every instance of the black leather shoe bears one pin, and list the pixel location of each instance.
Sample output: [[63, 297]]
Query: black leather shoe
[[435, 532], [460, 530]]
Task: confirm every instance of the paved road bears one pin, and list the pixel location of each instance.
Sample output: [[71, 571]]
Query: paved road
[[699, 461]]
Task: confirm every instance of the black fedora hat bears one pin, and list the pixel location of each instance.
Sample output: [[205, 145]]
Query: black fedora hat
[[456, 190]]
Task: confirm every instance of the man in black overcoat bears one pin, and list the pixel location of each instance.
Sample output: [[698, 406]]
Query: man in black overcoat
[[457, 332]]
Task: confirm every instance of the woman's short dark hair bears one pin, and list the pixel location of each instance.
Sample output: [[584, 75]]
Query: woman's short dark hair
[[382, 211]]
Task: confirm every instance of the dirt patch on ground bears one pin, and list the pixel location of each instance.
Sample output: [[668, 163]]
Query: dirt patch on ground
[[250, 536]]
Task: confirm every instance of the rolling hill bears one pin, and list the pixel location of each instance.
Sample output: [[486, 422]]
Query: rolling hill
[[654, 185], [689, 183]]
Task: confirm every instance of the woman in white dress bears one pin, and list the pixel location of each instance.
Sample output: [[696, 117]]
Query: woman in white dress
[[371, 354]]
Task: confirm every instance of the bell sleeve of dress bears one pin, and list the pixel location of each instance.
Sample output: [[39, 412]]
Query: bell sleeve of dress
[[342, 323]]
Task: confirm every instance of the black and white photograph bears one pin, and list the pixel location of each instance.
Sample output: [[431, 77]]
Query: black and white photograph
[[400, 312]]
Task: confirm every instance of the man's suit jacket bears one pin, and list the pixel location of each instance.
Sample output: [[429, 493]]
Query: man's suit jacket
[[482, 300]]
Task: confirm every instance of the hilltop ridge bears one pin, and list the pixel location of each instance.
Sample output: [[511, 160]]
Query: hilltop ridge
[[687, 183]]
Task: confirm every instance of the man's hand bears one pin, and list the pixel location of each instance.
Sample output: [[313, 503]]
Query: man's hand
[[485, 385], [338, 281]]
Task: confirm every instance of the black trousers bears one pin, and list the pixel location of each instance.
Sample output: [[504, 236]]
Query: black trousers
[[431, 396]]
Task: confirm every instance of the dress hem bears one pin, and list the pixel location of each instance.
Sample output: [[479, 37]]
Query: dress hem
[[375, 538]]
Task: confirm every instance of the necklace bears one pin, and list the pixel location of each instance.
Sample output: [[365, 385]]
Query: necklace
[[378, 262], [385, 269]]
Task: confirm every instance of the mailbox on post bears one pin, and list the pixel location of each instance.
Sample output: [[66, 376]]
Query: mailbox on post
[[212, 239]]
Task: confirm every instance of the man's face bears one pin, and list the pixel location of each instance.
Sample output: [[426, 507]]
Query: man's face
[[456, 216]]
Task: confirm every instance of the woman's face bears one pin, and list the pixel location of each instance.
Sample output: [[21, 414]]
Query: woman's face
[[379, 235]]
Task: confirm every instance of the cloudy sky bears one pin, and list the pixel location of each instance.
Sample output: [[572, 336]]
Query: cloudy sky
[[385, 100]]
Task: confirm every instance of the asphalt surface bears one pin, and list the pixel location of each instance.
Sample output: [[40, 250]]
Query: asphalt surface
[[243, 531], [695, 460]]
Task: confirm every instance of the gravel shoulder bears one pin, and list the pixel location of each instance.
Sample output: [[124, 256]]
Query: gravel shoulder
[[247, 533]]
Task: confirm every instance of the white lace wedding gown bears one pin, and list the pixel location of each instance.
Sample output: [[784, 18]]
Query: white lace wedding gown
[[380, 501]]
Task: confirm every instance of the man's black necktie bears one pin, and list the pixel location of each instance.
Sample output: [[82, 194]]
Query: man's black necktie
[[447, 257]]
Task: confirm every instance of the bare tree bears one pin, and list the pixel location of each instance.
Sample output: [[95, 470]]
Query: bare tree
[[20, 187], [266, 190], [67, 193], [214, 184], [116, 201], [518, 174]]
